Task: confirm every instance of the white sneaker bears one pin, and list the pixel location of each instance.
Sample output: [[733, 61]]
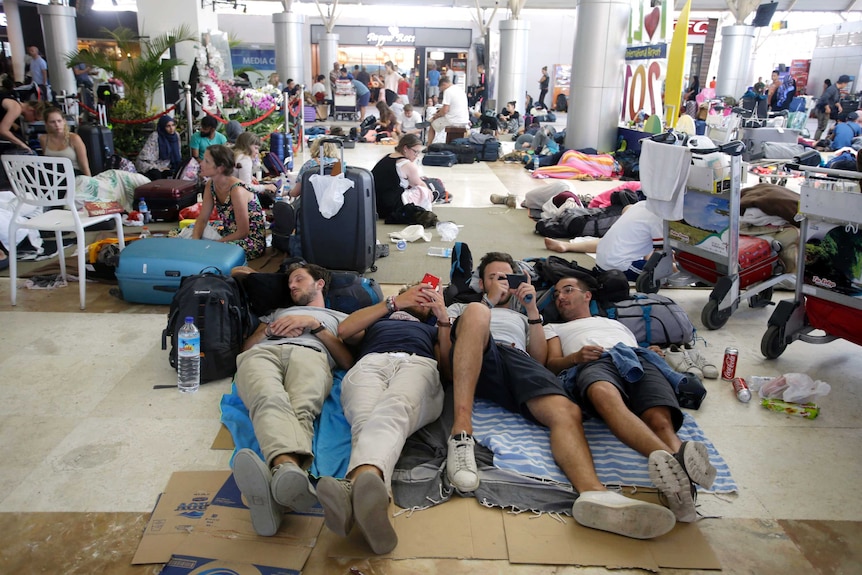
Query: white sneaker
[[610, 511], [674, 485], [680, 359], [461, 463], [707, 367]]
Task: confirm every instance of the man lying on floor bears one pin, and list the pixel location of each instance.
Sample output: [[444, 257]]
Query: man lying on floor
[[283, 377], [499, 354], [629, 388]]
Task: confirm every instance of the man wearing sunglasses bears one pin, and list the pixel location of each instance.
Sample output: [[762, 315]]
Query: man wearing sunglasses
[[629, 388], [499, 351]]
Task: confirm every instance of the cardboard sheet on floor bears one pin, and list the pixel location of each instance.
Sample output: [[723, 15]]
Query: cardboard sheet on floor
[[223, 439], [458, 529], [544, 540], [201, 514]]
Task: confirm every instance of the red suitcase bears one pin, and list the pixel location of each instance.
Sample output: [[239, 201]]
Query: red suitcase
[[165, 198], [835, 319], [757, 262]]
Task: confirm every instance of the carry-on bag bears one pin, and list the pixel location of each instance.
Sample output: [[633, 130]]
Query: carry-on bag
[[446, 159], [757, 262], [150, 270], [347, 240], [99, 142], [165, 198]]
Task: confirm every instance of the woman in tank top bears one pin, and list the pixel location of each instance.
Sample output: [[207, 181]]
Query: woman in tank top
[[58, 141]]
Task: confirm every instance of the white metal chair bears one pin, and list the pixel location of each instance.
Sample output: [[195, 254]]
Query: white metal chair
[[49, 182]]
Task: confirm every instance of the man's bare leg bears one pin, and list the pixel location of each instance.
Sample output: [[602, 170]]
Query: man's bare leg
[[586, 246]]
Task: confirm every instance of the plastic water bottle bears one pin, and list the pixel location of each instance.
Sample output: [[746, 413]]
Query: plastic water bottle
[[145, 233], [145, 211], [188, 357], [440, 252], [401, 245], [535, 161]]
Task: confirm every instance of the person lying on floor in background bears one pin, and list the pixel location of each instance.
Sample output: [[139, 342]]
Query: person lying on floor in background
[[392, 391], [283, 377], [247, 156], [626, 246], [631, 389], [238, 208], [58, 141], [499, 354], [160, 158]]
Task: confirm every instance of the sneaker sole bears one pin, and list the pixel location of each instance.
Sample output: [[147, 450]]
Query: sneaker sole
[[673, 482], [337, 506], [371, 511], [292, 489], [641, 520], [695, 457], [252, 477]]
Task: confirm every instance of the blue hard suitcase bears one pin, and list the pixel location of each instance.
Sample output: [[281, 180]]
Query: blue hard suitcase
[[447, 159], [348, 240], [150, 270]]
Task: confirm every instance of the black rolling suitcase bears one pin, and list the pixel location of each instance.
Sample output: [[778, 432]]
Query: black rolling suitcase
[[346, 241], [99, 142]]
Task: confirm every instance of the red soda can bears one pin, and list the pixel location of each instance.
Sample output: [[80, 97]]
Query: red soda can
[[728, 366], [743, 394]]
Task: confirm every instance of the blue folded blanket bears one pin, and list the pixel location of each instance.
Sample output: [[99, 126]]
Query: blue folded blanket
[[331, 443]]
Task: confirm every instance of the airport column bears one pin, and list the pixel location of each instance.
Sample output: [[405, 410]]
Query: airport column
[[734, 66], [289, 47], [598, 67], [152, 21], [61, 37], [16, 38], [328, 54], [512, 77]]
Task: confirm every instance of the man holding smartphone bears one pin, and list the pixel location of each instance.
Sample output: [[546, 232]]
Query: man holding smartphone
[[499, 354]]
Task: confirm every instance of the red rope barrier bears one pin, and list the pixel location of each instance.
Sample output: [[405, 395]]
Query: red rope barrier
[[243, 124]]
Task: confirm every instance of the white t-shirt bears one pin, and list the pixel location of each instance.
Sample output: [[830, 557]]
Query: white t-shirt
[[599, 331], [456, 99], [318, 87], [507, 326], [630, 239], [328, 317], [243, 168], [397, 109], [409, 122]]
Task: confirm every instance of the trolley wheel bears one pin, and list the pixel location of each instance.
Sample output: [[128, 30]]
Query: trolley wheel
[[761, 299], [712, 317], [646, 284], [772, 345]]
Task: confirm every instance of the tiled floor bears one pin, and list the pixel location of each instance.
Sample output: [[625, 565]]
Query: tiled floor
[[86, 443]]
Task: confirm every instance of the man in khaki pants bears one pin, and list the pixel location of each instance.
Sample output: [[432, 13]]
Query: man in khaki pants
[[283, 377]]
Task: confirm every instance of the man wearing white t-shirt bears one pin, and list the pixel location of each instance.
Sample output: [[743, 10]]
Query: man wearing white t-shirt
[[630, 389], [454, 110]]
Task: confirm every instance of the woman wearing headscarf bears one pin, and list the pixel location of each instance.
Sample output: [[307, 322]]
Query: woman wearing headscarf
[[160, 158]]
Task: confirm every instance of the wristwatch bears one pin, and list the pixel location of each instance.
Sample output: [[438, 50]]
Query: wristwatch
[[318, 329], [537, 321]]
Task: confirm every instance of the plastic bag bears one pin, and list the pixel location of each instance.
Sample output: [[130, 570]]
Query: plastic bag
[[448, 231], [419, 196], [795, 388], [411, 234], [330, 192]]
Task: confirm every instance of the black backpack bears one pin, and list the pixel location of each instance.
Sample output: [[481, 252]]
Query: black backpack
[[221, 313], [580, 222], [562, 104]]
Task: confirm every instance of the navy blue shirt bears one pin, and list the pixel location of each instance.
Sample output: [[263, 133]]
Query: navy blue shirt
[[387, 335]]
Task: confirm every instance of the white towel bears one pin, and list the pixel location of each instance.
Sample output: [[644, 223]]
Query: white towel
[[664, 172]]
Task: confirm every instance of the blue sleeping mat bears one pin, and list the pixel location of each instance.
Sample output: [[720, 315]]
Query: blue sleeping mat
[[150, 270]]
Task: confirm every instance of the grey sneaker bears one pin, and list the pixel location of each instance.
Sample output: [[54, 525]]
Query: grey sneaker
[[694, 458], [679, 359], [510, 200], [336, 498], [673, 484], [371, 507], [253, 479], [461, 463], [707, 367], [291, 487], [616, 513]]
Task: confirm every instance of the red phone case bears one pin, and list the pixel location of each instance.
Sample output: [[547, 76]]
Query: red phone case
[[433, 281]]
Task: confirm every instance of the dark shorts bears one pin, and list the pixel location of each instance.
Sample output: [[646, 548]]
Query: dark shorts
[[362, 101], [510, 378], [653, 389]]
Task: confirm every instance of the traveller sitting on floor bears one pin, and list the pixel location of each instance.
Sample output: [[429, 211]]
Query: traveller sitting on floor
[[846, 128], [161, 157], [499, 354], [392, 391], [207, 136], [283, 377], [454, 110], [238, 208], [509, 118], [411, 122], [247, 158], [631, 389], [398, 182], [626, 246]]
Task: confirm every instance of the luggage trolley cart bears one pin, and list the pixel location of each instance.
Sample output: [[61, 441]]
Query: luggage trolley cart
[[707, 242], [828, 281], [344, 101]]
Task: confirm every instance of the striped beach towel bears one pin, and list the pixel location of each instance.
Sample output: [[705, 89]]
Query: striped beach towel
[[575, 165], [524, 447]]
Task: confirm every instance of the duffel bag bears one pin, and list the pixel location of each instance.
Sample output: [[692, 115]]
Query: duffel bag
[[654, 319]]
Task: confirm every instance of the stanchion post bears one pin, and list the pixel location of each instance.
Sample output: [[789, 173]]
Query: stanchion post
[[187, 94]]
